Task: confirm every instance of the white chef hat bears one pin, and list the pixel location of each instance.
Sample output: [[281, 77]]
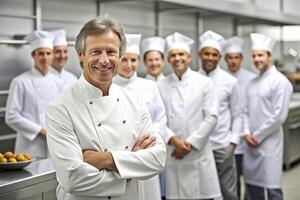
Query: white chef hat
[[40, 39], [211, 39], [153, 44], [179, 41], [133, 43], [59, 37], [262, 42], [234, 45]]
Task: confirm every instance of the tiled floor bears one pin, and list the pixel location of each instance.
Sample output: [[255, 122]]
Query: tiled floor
[[291, 183]]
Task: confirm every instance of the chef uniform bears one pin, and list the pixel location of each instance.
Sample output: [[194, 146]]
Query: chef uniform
[[191, 107], [154, 44], [235, 45], [67, 79], [149, 93], [29, 94], [268, 98], [229, 119], [82, 118]]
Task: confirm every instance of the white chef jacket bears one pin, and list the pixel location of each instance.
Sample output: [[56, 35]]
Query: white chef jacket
[[230, 116], [243, 76], [81, 118], [159, 78], [67, 78], [148, 91], [29, 94], [268, 103], [191, 107]]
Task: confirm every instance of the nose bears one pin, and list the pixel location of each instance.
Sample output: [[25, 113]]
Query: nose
[[103, 59]]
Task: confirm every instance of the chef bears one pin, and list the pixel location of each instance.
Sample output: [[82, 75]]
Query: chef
[[29, 94], [153, 54], [227, 133], [60, 57], [148, 91], [234, 59], [191, 106], [268, 104], [101, 138]]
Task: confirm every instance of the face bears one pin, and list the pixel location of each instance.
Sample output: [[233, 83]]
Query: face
[[154, 63], [262, 60], [129, 65], [101, 58], [42, 59], [210, 58], [234, 61], [60, 57], [180, 60]]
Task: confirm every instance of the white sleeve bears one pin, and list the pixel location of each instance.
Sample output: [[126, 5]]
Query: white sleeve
[[13, 115], [75, 175], [280, 101], [144, 163], [200, 137], [236, 115]]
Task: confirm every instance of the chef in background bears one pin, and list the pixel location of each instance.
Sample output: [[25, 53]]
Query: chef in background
[[153, 55], [191, 105], [234, 59], [29, 94], [226, 135], [148, 91], [60, 57], [268, 98]]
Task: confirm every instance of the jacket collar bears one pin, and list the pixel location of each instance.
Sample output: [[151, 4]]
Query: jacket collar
[[120, 80], [214, 72], [150, 77], [184, 76], [268, 72], [36, 72], [93, 91]]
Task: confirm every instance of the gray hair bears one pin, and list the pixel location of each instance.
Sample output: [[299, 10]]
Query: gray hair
[[99, 25]]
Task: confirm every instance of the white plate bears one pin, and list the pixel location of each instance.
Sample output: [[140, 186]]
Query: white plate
[[15, 166]]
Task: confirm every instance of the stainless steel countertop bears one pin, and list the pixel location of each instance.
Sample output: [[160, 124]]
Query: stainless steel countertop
[[38, 171]]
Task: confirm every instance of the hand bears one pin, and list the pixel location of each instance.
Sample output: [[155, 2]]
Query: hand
[[182, 147], [233, 146], [42, 132], [251, 140], [144, 142], [99, 159]]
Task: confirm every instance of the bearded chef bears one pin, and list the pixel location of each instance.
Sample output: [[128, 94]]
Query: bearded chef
[[148, 91], [60, 58], [268, 98], [29, 94], [101, 138], [153, 55]]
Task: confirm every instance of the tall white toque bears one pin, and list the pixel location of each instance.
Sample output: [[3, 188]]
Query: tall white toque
[[262, 42], [40, 39], [179, 41], [153, 44], [212, 39], [234, 45], [133, 43], [60, 38]]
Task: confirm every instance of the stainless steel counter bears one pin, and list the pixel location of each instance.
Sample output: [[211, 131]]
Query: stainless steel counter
[[37, 181]]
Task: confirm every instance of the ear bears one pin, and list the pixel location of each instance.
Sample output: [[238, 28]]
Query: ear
[[80, 57]]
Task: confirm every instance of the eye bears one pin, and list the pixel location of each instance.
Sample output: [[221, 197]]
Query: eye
[[94, 52], [111, 52]]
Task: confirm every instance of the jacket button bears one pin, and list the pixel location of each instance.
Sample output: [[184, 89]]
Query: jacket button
[[118, 99], [109, 197], [99, 124], [105, 149], [124, 121], [126, 147], [91, 102]]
